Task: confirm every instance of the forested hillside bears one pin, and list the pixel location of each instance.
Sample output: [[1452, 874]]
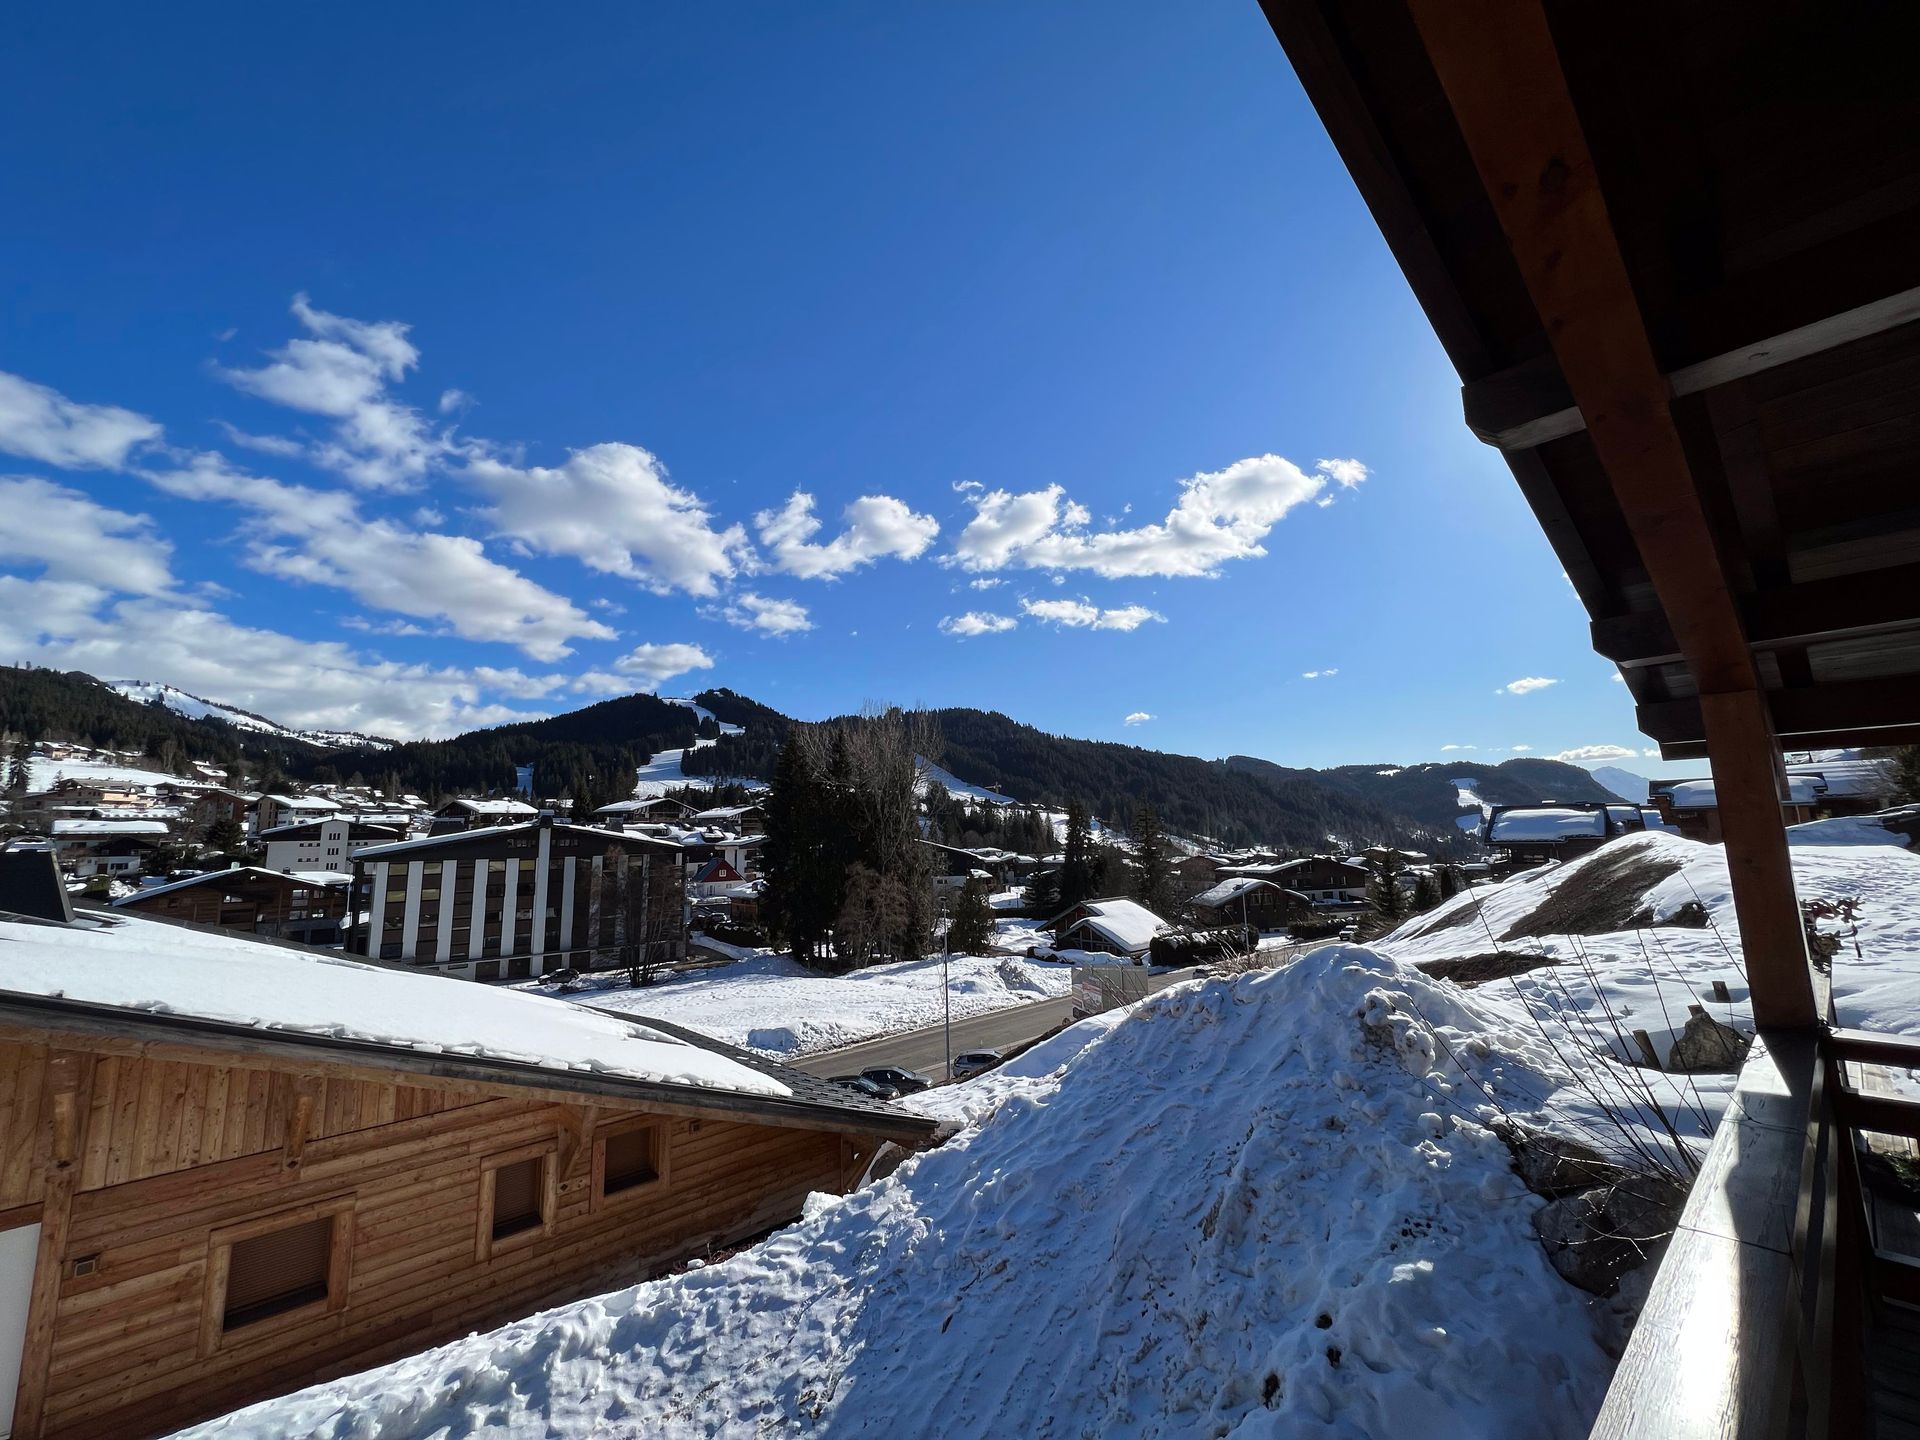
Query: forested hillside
[[1428, 794]]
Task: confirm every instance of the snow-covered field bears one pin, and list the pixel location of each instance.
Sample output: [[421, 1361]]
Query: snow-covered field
[[44, 773], [1261, 1207], [775, 1006]]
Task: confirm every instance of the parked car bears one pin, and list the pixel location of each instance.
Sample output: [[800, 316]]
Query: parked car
[[975, 1062], [907, 1082], [1349, 932], [872, 1089]]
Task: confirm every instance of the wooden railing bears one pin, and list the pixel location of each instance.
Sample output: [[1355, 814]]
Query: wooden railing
[[1762, 1318]]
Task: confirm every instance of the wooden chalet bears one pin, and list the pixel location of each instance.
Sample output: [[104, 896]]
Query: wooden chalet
[[1693, 806], [229, 1169], [504, 902], [1674, 253], [472, 814], [1249, 900], [1524, 835], [252, 899]]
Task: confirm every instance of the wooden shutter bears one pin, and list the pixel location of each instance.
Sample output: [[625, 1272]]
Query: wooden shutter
[[516, 1196], [630, 1159], [279, 1271]]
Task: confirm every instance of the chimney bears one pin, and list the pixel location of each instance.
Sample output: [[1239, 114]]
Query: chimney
[[31, 884]]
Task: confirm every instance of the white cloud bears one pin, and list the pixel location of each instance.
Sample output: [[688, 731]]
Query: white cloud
[[878, 526], [768, 616], [42, 424], [320, 537], [1652, 750], [341, 370], [1525, 685], [611, 507], [985, 582], [1617, 678], [976, 622], [74, 538], [1138, 717], [1445, 748], [1521, 749], [279, 445], [452, 401], [1348, 473], [1083, 615], [1220, 515], [1318, 674], [647, 667], [320, 685], [1592, 754]]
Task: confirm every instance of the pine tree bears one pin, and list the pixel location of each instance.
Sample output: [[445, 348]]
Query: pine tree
[[1388, 900], [1153, 886], [1906, 772], [971, 930], [1078, 876], [19, 765], [1043, 893], [802, 898]]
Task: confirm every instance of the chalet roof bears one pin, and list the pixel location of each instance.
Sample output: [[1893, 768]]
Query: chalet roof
[[126, 976], [104, 829], [422, 846], [308, 878], [1711, 262], [1227, 891], [488, 807], [303, 802], [1125, 923], [1545, 822], [1700, 794], [300, 829]]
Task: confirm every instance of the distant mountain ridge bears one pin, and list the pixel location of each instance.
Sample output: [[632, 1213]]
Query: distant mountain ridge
[[593, 754]]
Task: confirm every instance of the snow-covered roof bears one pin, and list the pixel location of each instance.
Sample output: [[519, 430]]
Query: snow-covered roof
[[1230, 890], [725, 812], [1546, 823], [140, 965], [1699, 794], [303, 802], [497, 832], [237, 872], [79, 829], [1126, 923], [491, 807], [1846, 777]]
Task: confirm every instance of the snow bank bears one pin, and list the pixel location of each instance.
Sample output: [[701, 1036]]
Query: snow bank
[[777, 1007], [144, 965], [1262, 1207]]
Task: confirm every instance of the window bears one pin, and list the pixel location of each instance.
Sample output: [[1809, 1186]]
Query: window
[[629, 1160], [268, 1274], [517, 1198]]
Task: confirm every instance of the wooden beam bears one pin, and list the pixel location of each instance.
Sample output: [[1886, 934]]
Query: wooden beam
[[1531, 403], [1497, 62], [1780, 616], [61, 1143], [1843, 707]]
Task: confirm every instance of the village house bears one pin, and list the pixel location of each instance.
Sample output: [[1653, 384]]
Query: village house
[[105, 847], [515, 901], [211, 807], [713, 878], [735, 819], [272, 811], [328, 844], [471, 814], [645, 807], [1109, 927], [1248, 900], [231, 1167], [304, 907], [1326, 880], [1693, 806], [1523, 835]]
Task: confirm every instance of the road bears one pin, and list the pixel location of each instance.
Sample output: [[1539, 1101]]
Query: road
[[926, 1050]]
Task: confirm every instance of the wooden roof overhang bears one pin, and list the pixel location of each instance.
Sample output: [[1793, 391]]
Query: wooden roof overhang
[[1674, 253], [813, 1104]]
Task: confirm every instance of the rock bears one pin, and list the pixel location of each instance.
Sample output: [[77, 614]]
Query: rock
[[1595, 1237], [1706, 1044], [1553, 1165]]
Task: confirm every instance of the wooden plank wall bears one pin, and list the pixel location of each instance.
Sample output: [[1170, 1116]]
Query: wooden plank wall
[[172, 1150]]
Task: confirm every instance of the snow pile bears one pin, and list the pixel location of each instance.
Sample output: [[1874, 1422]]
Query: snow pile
[[1644, 926], [1264, 1207], [778, 1007], [145, 965]]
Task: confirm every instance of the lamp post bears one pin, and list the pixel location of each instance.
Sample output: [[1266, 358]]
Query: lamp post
[[946, 1005]]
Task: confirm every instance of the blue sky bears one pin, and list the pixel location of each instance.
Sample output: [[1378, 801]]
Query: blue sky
[[393, 369]]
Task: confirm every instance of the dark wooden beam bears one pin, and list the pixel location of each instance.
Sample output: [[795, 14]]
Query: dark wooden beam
[[1531, 403], [1789, 615], [1501, 72], [1840, 707], [1805, 740]]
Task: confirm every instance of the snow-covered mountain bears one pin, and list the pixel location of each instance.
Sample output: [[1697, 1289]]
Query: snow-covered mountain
[[1624, 783], [197, 707]]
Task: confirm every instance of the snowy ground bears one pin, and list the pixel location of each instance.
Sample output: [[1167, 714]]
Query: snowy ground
[[43, 773], [1262, 1207], [775, 1006]]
